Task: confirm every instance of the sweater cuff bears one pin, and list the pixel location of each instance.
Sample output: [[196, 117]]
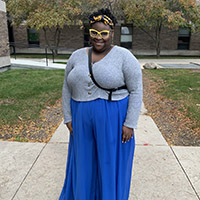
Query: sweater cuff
[[67, 120], [130, 125]]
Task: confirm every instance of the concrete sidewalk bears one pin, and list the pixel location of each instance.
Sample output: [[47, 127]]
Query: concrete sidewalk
[[36, 171], [160, 61], [36, 63], [41, 63]]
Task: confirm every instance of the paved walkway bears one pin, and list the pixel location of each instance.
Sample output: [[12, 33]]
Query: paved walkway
[[36, 171], [163, 63], [36, 63], [168, 62]]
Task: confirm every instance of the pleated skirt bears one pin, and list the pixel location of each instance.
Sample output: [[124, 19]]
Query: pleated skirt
[[99, 165]]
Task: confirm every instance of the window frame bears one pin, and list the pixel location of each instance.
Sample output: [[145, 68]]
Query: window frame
[[33, 43], [184, 39], [128, 44]]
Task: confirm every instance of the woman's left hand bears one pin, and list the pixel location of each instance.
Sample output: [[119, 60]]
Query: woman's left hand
[[127, 134]]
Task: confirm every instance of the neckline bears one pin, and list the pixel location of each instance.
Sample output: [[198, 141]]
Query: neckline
[[87, 50]]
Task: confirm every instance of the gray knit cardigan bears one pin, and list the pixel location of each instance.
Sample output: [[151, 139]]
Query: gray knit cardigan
[[117, 68]]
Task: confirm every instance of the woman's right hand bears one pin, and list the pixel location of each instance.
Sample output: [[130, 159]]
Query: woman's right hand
[[69, 126]]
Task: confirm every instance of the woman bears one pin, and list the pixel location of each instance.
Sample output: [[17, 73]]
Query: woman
[[102, 126]]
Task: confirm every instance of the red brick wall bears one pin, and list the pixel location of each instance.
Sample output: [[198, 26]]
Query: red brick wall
[[195, 41], [169, 39], [117, 32], [71, 37], [142, 41], [20, 34]]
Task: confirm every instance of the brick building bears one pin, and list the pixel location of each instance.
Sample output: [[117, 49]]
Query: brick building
[[179, 42], [4, 47]]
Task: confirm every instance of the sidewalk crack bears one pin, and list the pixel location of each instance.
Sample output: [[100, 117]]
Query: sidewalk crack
[[185, 172], [28, 172]]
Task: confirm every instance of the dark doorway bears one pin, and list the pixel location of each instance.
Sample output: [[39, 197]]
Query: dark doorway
[[10, 32]]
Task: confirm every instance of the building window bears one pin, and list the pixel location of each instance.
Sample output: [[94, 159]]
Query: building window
[[33, 38], [184, 38], [126, 36]]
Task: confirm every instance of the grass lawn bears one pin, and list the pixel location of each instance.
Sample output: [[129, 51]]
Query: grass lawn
[[40, 56], [182, 85], [25, 92], [60, 62], [168, 57]]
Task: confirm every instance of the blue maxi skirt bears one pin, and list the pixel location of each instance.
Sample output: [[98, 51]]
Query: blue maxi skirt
[[99, 165]]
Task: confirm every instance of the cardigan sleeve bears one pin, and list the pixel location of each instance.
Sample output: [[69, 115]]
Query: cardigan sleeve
[[66, 94], [133, 79]]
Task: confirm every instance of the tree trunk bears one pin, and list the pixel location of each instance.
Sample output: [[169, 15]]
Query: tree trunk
[[45, 37], [56, 40], [54, 50], [158, 48], [158, 38]]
